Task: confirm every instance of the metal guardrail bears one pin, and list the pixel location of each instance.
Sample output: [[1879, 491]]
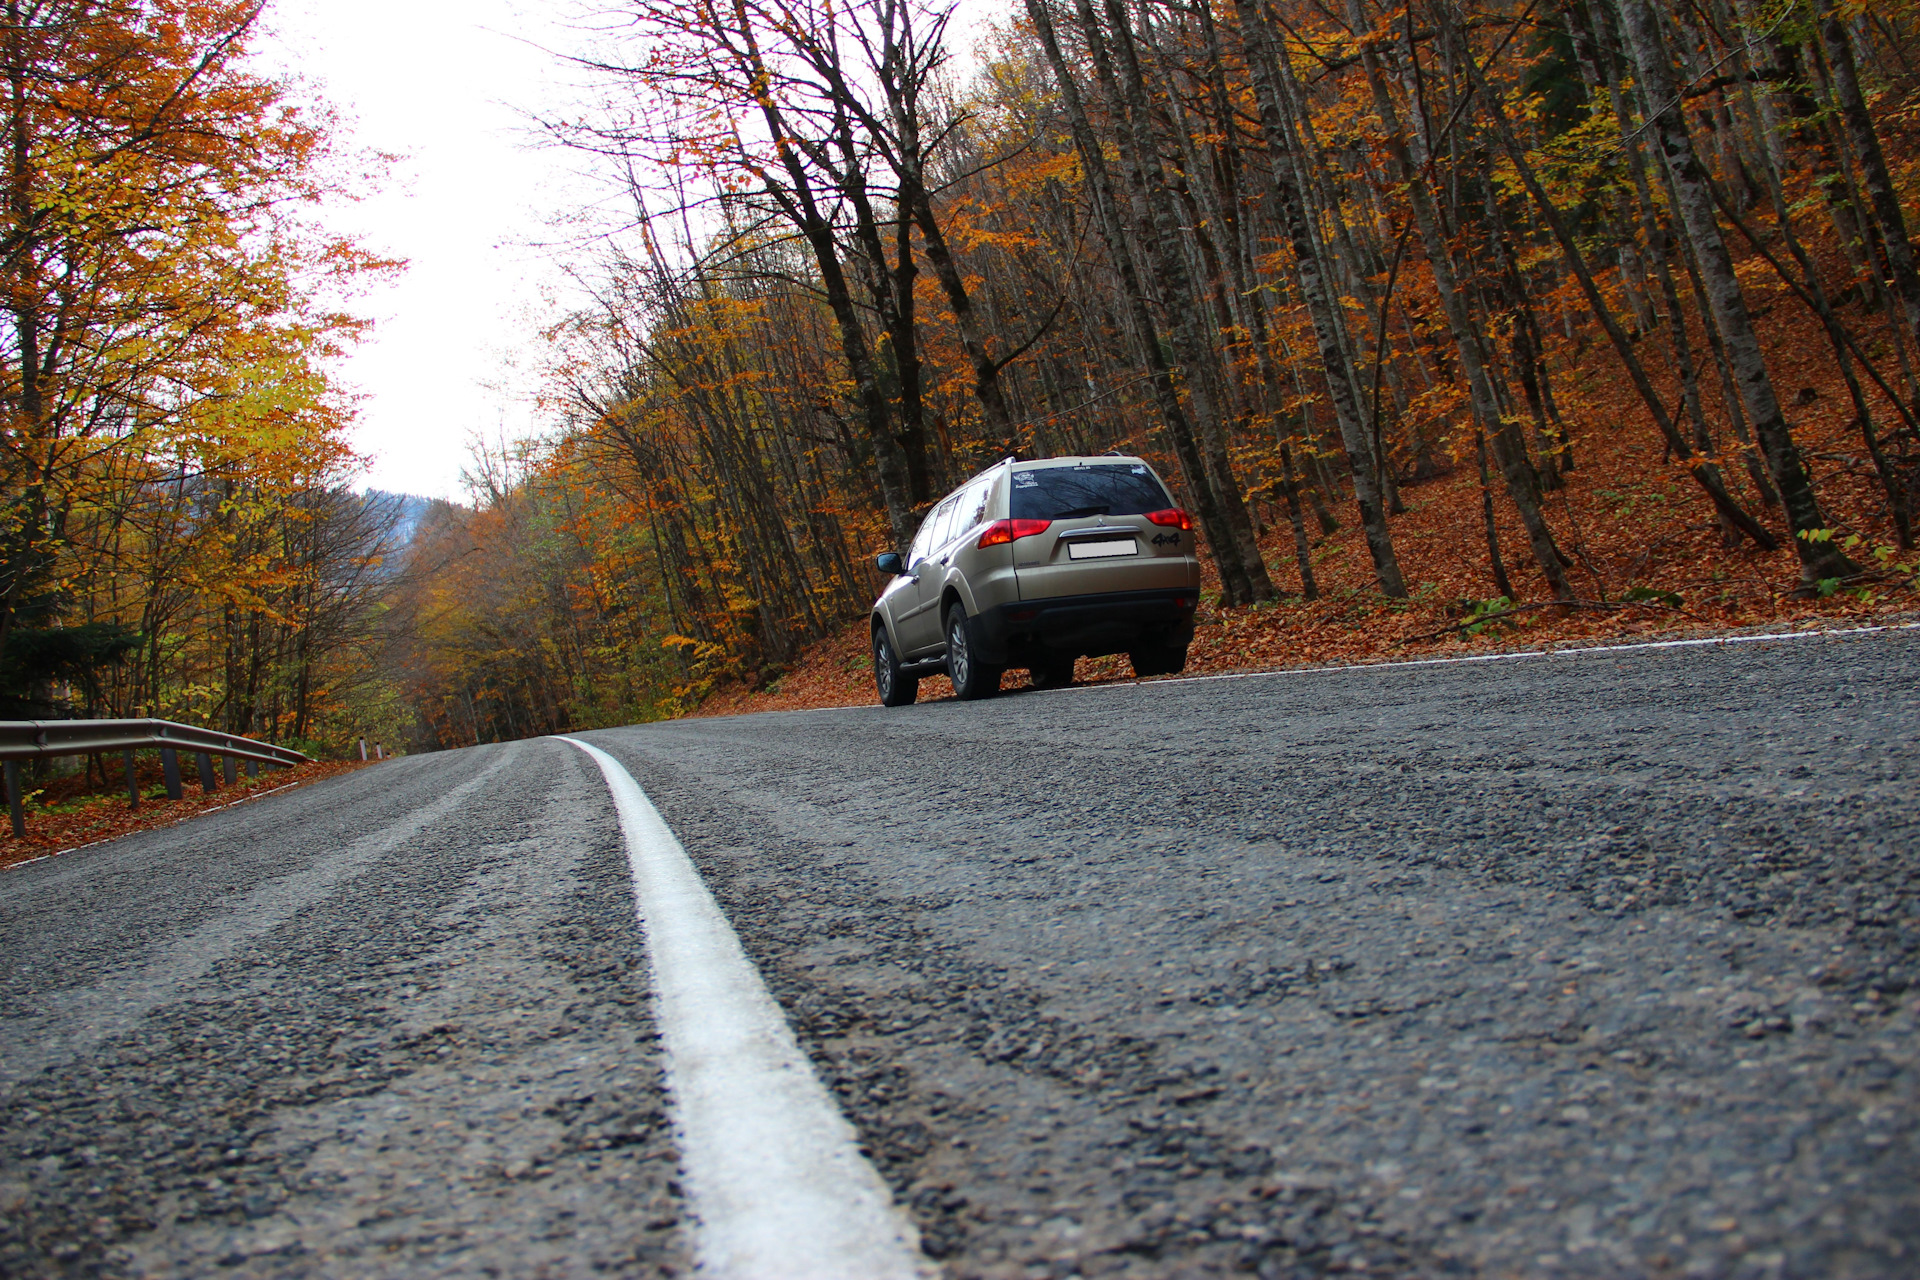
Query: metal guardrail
[[31, 739], [25, 739]]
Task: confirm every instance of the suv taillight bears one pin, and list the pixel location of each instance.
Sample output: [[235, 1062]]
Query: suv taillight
[[1010, 531], [1172, 517]]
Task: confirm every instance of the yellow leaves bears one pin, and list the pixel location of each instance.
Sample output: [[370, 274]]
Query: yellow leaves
[[266, 414], [699, 650]]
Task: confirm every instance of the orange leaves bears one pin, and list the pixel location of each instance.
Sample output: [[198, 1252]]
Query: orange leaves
[[152, 251]]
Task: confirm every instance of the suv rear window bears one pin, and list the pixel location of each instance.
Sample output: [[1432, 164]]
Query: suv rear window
[[1105, 489]]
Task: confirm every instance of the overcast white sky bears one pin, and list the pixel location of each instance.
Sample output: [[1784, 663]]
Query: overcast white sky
[[443, 84], [446, 85]]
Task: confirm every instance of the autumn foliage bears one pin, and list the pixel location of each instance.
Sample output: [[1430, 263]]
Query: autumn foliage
[[177, 535]]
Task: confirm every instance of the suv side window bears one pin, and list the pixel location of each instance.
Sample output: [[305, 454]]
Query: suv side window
[[970, 505], [933, 534], [973, 504], [918, 551]]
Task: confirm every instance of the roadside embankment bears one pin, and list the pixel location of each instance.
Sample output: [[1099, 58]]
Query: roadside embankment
[[75, 811]]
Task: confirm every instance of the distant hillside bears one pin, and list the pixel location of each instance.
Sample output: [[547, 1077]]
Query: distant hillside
[[411, 508]]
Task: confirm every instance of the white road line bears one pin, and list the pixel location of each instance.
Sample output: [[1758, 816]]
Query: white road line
[[775, 1179]]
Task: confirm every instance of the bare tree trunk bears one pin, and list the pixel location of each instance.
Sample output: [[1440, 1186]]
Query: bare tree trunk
[[1815, 296], [1704, 473], [986, 374], [1873, 163], [801, 208], [1819, 557], [1310, 277], [1178, 294], [890, 285], [1500, 581], [1166, 395], [1302, 553], [1523, 484]]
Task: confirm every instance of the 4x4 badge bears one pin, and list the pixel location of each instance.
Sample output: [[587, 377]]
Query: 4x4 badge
[[1166, 539]]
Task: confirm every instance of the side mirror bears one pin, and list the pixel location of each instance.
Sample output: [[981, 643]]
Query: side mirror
[[888, 562]]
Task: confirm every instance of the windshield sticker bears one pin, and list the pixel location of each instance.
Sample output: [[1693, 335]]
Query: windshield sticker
[[1139, 471], [1026, 479]]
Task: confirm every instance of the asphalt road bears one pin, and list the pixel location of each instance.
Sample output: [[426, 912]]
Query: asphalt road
[[1604, 965]]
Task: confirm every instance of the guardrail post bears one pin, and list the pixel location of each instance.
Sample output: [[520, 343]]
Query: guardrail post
[[363, 749], [170, 765], [13, 801], [253, 768], [133, 780], [206, 772], [379, 752], [226, 769]]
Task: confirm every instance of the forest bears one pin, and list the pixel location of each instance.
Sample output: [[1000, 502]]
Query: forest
[[1445, 321], [1442, 318], [180, 535]]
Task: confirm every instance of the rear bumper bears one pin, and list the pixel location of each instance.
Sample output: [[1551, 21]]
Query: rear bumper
[[1090, 625]]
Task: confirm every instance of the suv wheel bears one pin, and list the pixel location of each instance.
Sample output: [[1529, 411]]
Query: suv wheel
[[1158, 660], [971, 677], [896, 690]]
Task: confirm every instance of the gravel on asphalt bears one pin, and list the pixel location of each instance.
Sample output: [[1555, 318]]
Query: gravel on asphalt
[[1604, 965], [394, 1025], [1597, 965]]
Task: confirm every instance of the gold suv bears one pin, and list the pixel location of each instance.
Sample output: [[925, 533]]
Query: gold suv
[[1034, 564]]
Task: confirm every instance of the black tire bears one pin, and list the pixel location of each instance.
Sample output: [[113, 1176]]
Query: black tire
[[1158, 660], [971, 679], [1056, 673], [895, 689]]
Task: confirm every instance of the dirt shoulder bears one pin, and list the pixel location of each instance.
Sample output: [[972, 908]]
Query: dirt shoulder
[[65, 816]]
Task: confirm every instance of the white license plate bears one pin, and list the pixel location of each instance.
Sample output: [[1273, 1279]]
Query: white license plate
[[1102, 550]]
